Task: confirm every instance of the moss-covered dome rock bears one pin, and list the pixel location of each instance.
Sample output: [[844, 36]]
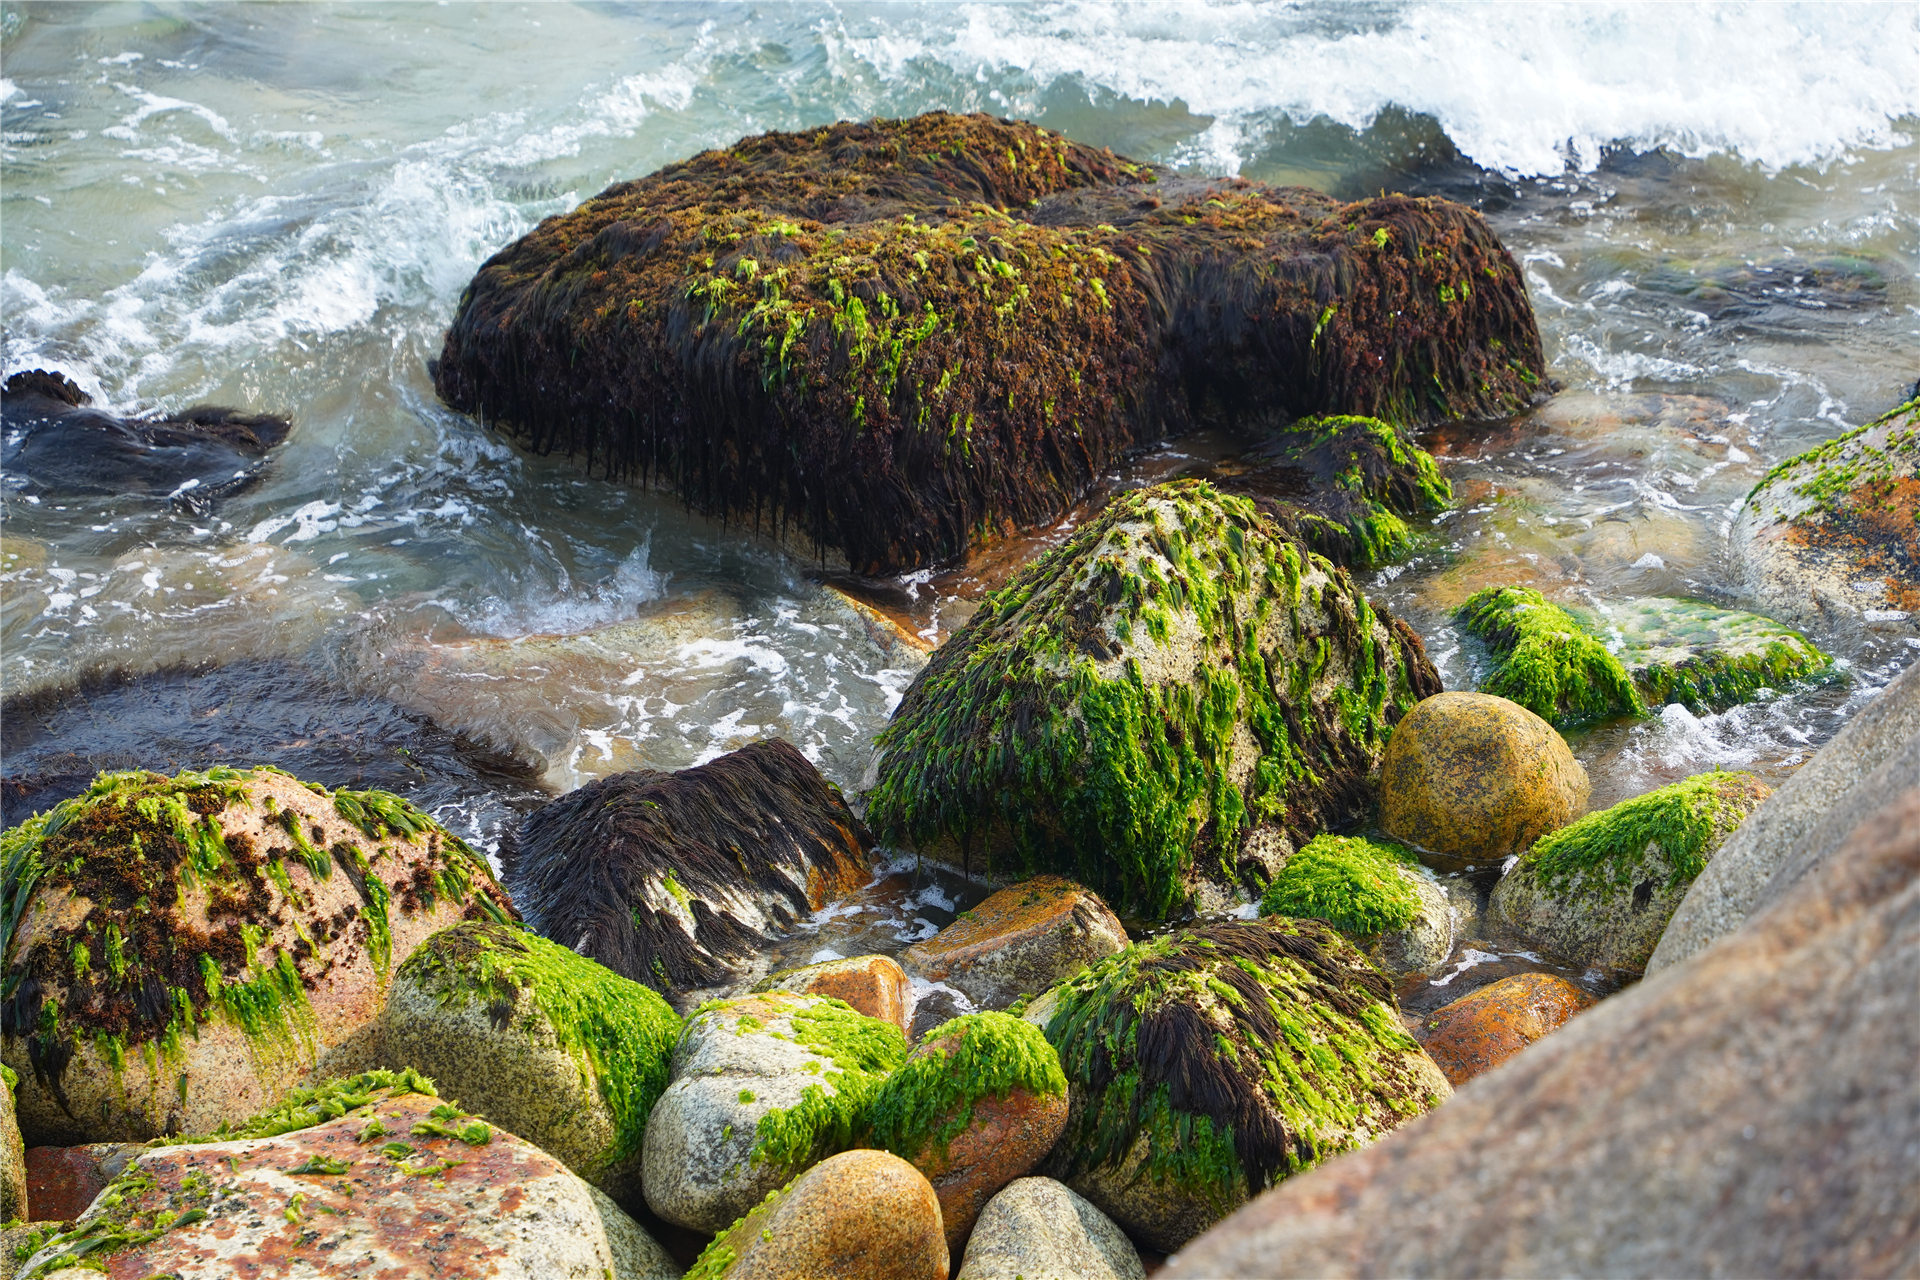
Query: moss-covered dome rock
[[893, 337], [181, 951], [1546, 660], [1471, 779], [1601, 890], [1373, 891], [1829, 540], [1162, 706], [554, 1047], [1207, 1064]]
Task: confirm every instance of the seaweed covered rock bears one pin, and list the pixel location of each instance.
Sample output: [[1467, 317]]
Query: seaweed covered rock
[[1372, 891], [1210, 1063], [678, 880], [976, 1105], [889, 337], [1038, 1227], [763, 1087], [1704, 658], [1546, 660], [180, 951], [1161, 708], [1346, 486], [1481, 1030], [874, 985], [1023, 940], [1829, 539], [860, 1215], [549, 1045], [1470, 779], [369, 1175], [1601, 890]]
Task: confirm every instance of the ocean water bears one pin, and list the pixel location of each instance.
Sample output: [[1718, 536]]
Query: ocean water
[[277, 206]]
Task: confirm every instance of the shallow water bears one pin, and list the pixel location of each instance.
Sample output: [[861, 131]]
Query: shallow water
[[277, 207]]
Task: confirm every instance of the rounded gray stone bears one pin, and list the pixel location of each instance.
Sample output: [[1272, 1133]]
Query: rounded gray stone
[[1039, 1229]]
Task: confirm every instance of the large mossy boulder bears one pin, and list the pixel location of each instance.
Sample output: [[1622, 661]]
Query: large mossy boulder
[[895, 336], [1160, 708], [544, 1042], [182, 951], [1373, 891], [679, 880], [1829, 540], [1208, 1064], [1601, 890]]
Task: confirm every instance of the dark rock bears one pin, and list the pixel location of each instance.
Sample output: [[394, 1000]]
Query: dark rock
[[679, 880], [56, 444], [894, 336]]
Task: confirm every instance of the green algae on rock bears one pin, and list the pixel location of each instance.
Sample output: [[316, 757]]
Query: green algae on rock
[[1705, 658], [1129, 710], [1358, 481], [1545, 660], [930, 1101], [1601, 890], [550, 1045], [1210, 1063], [182, 950], [1352, 883], [898, 336]]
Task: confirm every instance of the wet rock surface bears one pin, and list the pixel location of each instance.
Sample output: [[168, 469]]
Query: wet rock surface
[[1478, 1032], [1705, 658], [62, 1181], [1023, 940], [1038, 1227]]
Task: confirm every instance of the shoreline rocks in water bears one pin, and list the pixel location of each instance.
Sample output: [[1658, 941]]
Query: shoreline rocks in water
[[181, 951], [893, 337], [678, 880], [1161, 708]]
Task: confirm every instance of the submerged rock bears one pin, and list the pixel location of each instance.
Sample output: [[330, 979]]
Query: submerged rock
[[1375, 893], [1038, 1227], [678, 880], [1704, 658], [554, 1047], [1210, 1063], [55, 444], [874, 985], [1828, 540], [860, 1215], [183, 950], [892, 336], [1023, 940], [1545, 660], [763, 1087], [976, 1105], [310, 1189], [1161, 708], [1481, 1030], [1470, 779], [1600, 891]]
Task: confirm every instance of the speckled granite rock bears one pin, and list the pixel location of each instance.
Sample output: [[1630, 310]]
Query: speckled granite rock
[[13, 1155], [62, 1181], [1038, 1229], [1480, 1031], [1023, 940], [874, 985]]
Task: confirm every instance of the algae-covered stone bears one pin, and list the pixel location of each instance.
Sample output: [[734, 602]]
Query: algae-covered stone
[[763, 1087], [874, 985], [1208, 1064], [1372, 891], [679, 880], [1022, 940], [549, 1045], [860, 1215], [1546, 660], [1038, 1228], [1705, 658], [1470, 779], [1602, 890], [1348, 486], [894, 336], [183, 950], [1175, 678], [977, 1104], [1828, 540], [370, 1175]]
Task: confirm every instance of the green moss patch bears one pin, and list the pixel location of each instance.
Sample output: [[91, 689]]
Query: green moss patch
[[1038, 730], [1607, 849], [1242, 1053], [1706, 658], [620, 1033], [930, 1101], [1352, 883], [1546, 660], [864, 1052]]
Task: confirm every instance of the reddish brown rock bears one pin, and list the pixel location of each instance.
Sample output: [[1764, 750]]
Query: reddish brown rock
[[860, 1215], [874, 985], [1023, 940], [1480, 1031], [1750, 1112], [62, 1181]]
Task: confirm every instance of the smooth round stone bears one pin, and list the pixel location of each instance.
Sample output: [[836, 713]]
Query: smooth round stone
[[1478, 1032], [860, 1215], [1470, 779], [1039, 1227]]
